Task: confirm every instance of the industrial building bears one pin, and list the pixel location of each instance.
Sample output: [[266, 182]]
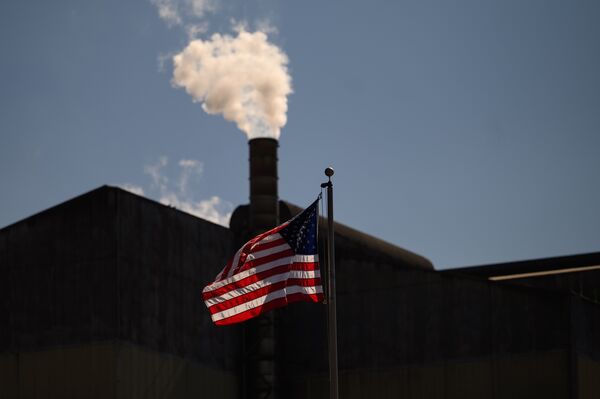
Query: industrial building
[[100, 297]]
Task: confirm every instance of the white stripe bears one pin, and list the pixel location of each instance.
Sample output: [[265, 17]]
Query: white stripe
[[268, 251], [234, 265], [265, 299], [305, 273], [306, 258], [248, 273], [261, 268], [269, 238], [251, 257], [261, 284], [234, 262]]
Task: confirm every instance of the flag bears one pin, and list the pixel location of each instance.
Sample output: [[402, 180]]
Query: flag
[[271, 270]]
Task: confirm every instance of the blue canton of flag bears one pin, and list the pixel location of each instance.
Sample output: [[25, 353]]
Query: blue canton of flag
[[301, 232]]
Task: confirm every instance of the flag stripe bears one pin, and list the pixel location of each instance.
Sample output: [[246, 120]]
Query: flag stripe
[[244, 286], [273, 286], [262, 245], [250, 308], [250, 260], [287, 253], [240, 256], [271, 235], [264, 275], [282, 269], [297, 259], [263, 252], [280, 302]]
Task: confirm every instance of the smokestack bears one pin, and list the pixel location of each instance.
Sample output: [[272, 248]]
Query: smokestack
[[264, 208], [259, 334]]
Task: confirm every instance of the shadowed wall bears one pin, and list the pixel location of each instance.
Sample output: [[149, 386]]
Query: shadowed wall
[[104, 290], [100, 297]]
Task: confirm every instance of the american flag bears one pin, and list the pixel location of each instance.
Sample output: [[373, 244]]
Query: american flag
[[271, 270]]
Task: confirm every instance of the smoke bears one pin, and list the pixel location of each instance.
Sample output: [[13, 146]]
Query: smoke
[[184, 12], [179, 193], [189, 168], [133, 188], [241, 76], [168, 11], [213, 209], [244, 78]]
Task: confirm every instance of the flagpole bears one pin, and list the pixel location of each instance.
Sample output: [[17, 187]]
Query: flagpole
[[331, 314]]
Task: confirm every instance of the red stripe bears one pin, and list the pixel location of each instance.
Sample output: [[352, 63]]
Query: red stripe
[[238, 300], [266, 259], [245, 281], [277, 303], [268, 244], [304, 282], [305, 266], [245, 248], [259, 276], [300, 297]]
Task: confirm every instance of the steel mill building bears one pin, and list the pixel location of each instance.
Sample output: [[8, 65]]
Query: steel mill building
[[100, 297]]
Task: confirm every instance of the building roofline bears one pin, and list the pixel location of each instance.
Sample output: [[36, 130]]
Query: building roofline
[[532, 268], [94, 191], [373, 243]]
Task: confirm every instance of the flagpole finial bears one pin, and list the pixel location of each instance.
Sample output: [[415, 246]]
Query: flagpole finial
[[329, 172]]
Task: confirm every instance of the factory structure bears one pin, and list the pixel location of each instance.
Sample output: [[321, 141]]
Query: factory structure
[[100, 297]]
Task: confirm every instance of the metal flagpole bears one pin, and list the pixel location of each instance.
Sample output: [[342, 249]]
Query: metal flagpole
[[331, 315]]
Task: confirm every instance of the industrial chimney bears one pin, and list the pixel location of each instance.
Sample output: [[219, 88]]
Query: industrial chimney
[[259, 333], [264, 208]]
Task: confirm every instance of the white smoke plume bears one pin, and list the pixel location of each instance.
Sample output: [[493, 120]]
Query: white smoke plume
[[244, 77]]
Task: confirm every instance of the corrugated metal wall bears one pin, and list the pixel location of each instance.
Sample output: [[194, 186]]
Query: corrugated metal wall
[[419, 334], [100, 297]]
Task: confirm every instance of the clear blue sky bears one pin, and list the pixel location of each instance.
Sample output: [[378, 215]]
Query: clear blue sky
[[467, 131]]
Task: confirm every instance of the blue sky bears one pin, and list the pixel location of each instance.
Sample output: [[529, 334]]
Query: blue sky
[[466, 132]]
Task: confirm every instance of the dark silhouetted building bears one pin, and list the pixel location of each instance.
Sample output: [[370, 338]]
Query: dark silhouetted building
[[100, 297]]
